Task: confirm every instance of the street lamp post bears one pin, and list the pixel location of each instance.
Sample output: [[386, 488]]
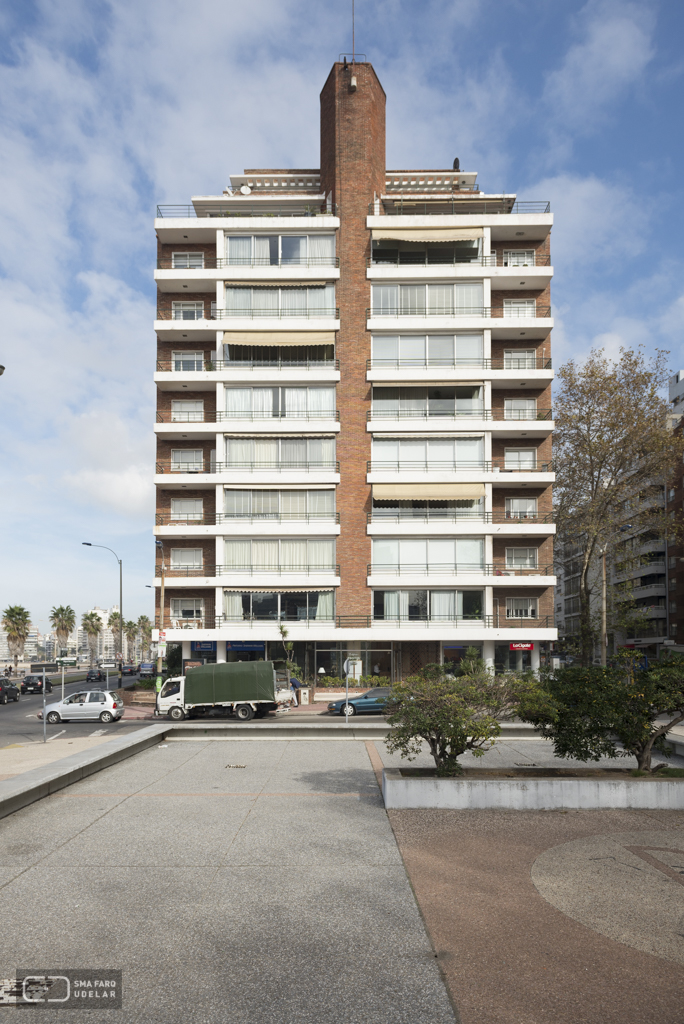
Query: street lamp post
[[87, 544]]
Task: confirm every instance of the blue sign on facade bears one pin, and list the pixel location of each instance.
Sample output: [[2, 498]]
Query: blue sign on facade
[[245, 645], [202, 646]]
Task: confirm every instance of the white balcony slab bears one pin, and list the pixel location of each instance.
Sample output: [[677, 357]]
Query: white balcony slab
[[509, 278], [251, 528], [203, 229], [457, 527], [206, 380], [274, 580], [397, 631], [443, 374], [275, 425], [502, 478], [505, 226], [172, 481], [380, 580], [448, 424], [204, 279]]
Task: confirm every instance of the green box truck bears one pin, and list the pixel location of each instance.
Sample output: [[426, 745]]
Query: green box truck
[[250, 689]]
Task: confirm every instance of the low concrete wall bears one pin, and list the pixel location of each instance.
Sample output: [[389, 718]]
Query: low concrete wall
[[522, 794], [280, 730]]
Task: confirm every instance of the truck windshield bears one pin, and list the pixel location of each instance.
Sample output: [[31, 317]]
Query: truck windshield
[[173, 686]]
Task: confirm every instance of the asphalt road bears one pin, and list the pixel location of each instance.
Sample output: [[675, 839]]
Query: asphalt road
[[19, 722]]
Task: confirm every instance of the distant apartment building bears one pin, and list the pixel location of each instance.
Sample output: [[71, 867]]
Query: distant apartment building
[[354, 411], [675, 507]]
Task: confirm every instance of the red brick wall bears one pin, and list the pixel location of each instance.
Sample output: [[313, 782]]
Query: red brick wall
[[353, 169]]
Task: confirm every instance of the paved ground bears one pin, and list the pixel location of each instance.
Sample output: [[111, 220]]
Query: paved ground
[[269, 893]]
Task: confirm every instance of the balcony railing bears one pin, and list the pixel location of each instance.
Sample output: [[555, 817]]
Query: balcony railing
[[456, 206], [454, 515], [474, 414], [215, 519], [458, 569], [250, 210], [170, 365], [209, 621], [248, 314], [166, 466], [210, 416], [187, 571], [524, 363], [444, 466], [214, 263], [435, 259], [488, 312]]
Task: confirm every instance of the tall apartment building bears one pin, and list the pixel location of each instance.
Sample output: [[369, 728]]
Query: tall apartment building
[[354, 411]]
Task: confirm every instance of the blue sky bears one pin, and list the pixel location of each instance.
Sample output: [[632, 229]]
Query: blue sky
[[108, 108]]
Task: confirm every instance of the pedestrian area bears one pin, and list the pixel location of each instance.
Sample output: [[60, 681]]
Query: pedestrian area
[[249, 882]]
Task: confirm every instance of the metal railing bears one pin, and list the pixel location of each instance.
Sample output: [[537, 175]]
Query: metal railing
[[331, 414], [216, 263], [454, 205], [210, 621], [474, 414], [525, 363], [211, 365], [252, 621], [214, 519], [249, 210], [279, 570], [186, 571], [458, 569], [248, 314], [444, 466], [435, 259], [488, 312], [454, 516], [207, 621], [166, 466]]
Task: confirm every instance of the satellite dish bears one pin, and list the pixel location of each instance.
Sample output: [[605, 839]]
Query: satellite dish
[[246, 190]]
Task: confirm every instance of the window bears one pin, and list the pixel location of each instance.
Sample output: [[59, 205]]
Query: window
[[672, 606], [521, 508], [258, 403], [307, 605], [672, 562], [446, 453], [436, 605], [519, 359], [417, 554], [673, 628], [431, 401], [285, 250], [287, 555], [520, 408], [521, 558], [462, 299], [186, 558], [187, 609], [519, 307], [188, 361], [518, 258], [187, 310], [187, 412], [520, 458], [280, 504], [187, 509], [281, 453], [187, 260], [673, 583], [521, 607], [279, 302], [96, 697], [187, 460], [428, 350]]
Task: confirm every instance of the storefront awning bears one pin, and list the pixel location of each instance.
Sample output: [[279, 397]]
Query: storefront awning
[[426, 234], [403, 492], [278, 338]]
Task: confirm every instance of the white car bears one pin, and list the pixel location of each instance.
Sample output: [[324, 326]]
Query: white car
[[87, 705]]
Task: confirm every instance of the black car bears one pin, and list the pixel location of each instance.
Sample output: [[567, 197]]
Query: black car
[[34, 684], [8, 690], [129, 670], [95, 675]]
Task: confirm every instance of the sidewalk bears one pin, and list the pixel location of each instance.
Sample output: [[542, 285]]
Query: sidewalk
[[23, 757]]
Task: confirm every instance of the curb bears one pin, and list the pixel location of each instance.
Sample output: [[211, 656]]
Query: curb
[[290, 730]]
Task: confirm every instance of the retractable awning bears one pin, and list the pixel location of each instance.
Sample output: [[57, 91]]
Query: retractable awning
[[402, 492], [278, 590], [427, 234], [278, 338], [276, 284]]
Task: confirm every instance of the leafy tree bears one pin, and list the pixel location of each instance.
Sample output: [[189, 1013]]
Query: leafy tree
[[620, 711], [92, 624], [613, 453], [145, 630], [16, 621], [452, 714], [63, 620]]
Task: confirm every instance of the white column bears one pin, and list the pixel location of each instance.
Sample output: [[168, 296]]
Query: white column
[[535, 657], [487, 242], [487, 292], [487, 343], [187, 653], [220, 652], [488, 654]]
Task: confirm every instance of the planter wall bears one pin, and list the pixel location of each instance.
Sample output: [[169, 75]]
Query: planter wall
[[401, 792]]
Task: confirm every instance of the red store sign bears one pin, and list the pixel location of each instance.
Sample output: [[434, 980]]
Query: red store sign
[[521, 647]]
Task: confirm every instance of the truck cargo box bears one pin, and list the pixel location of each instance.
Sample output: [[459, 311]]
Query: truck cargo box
[[230, 682]]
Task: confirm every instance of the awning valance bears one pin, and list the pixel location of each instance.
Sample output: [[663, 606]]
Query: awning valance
[[276, 284], [277, 338], [402, 492], [427, 234], [278, 590]]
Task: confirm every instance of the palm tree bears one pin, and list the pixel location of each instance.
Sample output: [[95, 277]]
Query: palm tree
[[63, 620], [145, 628], [92, 623], [16, 621], [131, 634]]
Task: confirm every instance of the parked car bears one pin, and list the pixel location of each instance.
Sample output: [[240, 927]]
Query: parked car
[[86, 705], [8, 690], [34, 684], [95, 675], [363, 703]]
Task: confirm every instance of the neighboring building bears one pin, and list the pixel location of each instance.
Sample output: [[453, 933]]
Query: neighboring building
[[354, 411], [675, 507], [107, 641]]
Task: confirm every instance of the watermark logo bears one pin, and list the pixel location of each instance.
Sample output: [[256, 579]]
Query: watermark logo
[[62, 989]]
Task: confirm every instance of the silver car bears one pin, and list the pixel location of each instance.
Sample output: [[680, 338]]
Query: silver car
[[87, 705]]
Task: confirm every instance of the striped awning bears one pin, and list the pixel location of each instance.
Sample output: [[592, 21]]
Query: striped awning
[[427, 234], [403, 492], [278, 338]]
